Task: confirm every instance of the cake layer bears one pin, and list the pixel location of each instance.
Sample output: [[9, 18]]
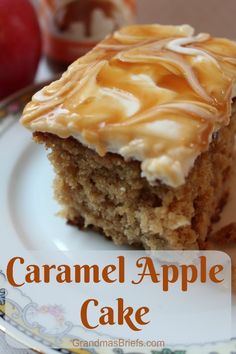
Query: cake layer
[[108, 193], [151, 93]]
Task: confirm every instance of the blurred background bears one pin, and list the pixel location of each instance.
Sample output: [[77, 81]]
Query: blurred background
[[40, 38], [214, 16]]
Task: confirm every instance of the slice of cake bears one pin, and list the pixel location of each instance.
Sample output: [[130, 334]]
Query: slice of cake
[[141, 133]]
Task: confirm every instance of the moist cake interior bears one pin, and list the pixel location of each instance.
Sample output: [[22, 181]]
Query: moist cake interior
[[109, 194]]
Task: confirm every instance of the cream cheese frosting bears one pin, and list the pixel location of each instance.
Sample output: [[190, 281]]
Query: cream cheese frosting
[[151, 93]]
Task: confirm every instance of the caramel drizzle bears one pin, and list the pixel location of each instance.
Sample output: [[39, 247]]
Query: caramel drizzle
[[136, 84]]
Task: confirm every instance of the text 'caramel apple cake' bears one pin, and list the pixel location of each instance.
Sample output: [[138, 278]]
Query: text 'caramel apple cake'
[[141, 135]]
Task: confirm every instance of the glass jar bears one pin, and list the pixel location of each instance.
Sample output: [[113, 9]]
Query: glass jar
[[72, 27]]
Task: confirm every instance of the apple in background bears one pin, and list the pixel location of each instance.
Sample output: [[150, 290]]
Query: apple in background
[[20, 45]]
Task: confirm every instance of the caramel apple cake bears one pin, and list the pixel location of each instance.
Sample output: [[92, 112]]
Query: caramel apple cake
[[141, 135]]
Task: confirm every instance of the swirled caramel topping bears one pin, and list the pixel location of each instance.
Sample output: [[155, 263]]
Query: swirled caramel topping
[[151, 93]]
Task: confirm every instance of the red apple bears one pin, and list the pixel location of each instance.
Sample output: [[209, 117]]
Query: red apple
[[20, 45]]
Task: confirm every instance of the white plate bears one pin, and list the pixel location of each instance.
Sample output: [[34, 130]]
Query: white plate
[[28, 222]]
